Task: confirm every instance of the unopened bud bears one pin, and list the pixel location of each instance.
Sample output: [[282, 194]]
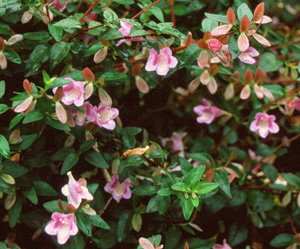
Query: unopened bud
[[59, 94], [10, 201], [27, 16], [14, 137], [70, 208], [136, 70], [88, 75], [61, 113], [294, 74], [215, 45], [3, 61], [2, 45], [229, 92], [104, 97], [44, 16], [14, 39], [28, 87], [141, 84], [88, 90], [100, 55]]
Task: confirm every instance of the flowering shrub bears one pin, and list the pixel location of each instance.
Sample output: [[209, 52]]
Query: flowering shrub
[[149, 124]]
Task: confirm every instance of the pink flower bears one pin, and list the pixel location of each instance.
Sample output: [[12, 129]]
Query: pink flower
[[206, 112], [104, 116], [81, 117], [73, 93], [247, 56], [215, 45], [63, 226], [58, 5], [125, 30], [146, 244], [162, 62], [296, 104], [224, 246], [263, 124], [176, 139], [76, 191], [117, 189]]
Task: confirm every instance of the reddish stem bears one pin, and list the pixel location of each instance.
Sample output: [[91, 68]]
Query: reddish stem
[[88, 10], [171, 3], [143, 10]]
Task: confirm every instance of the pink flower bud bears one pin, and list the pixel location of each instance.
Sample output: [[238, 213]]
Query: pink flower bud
[[141, 84], [100, 55], [215, 45]]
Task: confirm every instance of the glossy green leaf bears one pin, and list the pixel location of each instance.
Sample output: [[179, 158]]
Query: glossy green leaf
[[218, 18], [2, 88], [3, 108], [57, 125], [242, 10], [56, 32], [281, 240], [52, 206], [69, 162], [194, 176], [14, 212], [68, 23], [58, 52], [221, 177], [32, 116], [13, 168], [269, 62], [124, 224], [31, 195], [13, 56], [44, 189], [97, 221], [189, 55], [144, 190], [84, 223], [4, 147], [96, 159], [111, 34]]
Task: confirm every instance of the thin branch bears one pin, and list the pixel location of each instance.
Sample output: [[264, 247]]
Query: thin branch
[[88, 10], [143, 10], [171, 3]]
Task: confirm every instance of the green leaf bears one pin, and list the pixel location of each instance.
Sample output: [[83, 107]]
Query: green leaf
[[39, 55], [2, 88], [237, 234], [58, 52], [157, 12], [270, 171], [291, 179], [233, 47], [186, 167], [162, 203], [208, 25], [95, 31], [4, 29], [69, 162], [28, 140], [4, 147], [181, 186], [283, 239], [189, 55], [263, 201], [134, 160], [52, 206], [222, 179], [144, 190], [263, 150], [124, 224], [16, 120], [218, 18], [194, 176], [187, 207], [2, 245], [111, 34], [59, 82], [31, 195], [57, 125], [92, 188], [5, 187], [93, 49], [41, 36], [153, 43], [3, 108], [109, 76], [96, 159], [13, 168], [84, 223], [206, 187], [125, 2], [56, 32], [269, 62], [12, 56], [256, 220], [97, 221], [68, 23], [128, 134], [14, 212], [44, 189], [202, 158], [242, 10], [32, 116], [86, 145]]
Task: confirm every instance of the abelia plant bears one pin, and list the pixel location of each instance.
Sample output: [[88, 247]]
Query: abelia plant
[[149, 124]]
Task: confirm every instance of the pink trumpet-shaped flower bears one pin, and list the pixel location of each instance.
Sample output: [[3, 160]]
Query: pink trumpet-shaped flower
[[117, 189], [206, 112], [62, 225], [162, 62], [264, 124], [247, 55], [76, 191], [177, 145], [125, 30], [104, 116], [73, 93], [224, 246]]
